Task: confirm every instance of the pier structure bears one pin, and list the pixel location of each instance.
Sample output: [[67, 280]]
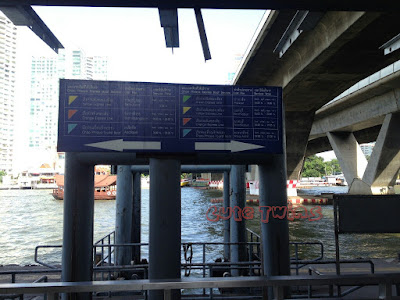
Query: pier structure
[[129, 224], [164, 259], [320, 55]]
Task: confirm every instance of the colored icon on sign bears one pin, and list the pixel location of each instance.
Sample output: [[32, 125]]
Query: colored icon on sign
[[71, 127], [186, 98], [71, 112], [71, 99], [185, 120], [186, 131], [186, 109]]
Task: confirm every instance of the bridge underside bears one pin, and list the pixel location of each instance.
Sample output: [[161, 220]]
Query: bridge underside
[[342, 49]]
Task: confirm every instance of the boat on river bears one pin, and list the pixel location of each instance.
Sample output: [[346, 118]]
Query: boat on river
[[185, 182], [200, 183], [105, 187], [39, 178]]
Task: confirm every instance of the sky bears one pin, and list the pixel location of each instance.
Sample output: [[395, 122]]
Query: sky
[[133, 40]]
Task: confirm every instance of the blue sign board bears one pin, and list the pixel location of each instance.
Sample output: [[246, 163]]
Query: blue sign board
[[168, 118]]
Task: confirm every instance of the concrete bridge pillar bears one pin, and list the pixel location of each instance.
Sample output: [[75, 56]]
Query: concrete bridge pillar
[[379, 174], [383, 166], [349, 154], [298, 128]]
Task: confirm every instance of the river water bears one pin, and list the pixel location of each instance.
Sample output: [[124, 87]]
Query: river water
[[32, 217]]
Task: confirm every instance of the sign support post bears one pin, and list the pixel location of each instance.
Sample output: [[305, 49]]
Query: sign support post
[[227, 225], [77, 251], [165, 223], [123, 222], [136, 216], [274, 231], [238, 225]]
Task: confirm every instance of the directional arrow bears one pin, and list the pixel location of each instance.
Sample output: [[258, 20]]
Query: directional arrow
[[232, 146], [121, 145]]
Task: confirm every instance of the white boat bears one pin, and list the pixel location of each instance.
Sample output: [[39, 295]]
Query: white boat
[[40, 178]]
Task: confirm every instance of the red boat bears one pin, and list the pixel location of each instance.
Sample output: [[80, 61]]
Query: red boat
[[105, 187]]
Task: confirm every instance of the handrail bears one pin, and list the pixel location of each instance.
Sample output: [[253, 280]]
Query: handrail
[[106, 237], [36, 255], [384, 280], [107, 249]]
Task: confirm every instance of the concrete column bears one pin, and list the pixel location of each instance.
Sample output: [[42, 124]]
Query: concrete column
[[237, 223], [274, 231], [349, 154], [384, 163], [123, 221], [298, 127], [254, 173], [226, 222], [77, 251], [136, 216], [165, 223]]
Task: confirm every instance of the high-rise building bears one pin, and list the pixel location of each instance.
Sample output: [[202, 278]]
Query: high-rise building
[[97, 67], [367, 148], [43, 103], [8, 45], [44, 97]]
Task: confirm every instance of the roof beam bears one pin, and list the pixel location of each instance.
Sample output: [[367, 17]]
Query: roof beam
[[169, 21], [24, 15], [334, 5], [202, 34]]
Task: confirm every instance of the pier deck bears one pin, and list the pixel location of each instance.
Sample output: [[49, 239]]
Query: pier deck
[[368, 292]]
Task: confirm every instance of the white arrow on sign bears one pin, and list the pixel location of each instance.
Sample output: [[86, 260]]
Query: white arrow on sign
[[232, 146], [121, 145]]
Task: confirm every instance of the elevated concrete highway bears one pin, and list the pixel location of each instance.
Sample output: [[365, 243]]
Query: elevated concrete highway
[[328, 57], [369, 114]]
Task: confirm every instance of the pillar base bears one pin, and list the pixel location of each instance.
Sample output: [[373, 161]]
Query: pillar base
[[359, 187]]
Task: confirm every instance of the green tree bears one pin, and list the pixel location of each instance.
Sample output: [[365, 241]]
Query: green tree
[[313, 167], [332, 167]]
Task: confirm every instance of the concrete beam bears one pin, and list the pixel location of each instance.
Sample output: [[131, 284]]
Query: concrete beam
[[344, 116], [189, 168], [373, 5], [384, 163], [322, 144], [351, 159]]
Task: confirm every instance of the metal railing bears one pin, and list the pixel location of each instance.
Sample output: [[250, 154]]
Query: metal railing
[[278, 283], [295, 246], [340, 293]]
